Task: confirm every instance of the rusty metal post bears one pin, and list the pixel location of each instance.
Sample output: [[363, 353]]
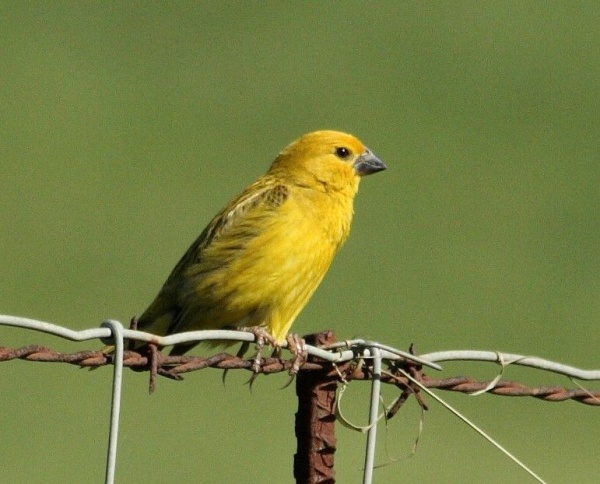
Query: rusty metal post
[[315, 421]]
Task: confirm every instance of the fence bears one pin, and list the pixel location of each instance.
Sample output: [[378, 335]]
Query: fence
[[330, 363]]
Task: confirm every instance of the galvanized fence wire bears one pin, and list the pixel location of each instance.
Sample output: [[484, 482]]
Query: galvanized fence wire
[[343, 361]]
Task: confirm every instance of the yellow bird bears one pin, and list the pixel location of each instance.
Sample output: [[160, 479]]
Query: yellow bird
[[258, 262]]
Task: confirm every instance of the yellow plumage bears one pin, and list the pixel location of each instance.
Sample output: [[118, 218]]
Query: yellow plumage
[[261, 258]]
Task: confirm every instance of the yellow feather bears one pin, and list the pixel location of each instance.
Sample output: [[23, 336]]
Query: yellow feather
[[261, 258]]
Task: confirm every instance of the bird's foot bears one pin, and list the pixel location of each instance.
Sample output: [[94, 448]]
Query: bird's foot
[[296, 346], [299, 350], [263, 338]]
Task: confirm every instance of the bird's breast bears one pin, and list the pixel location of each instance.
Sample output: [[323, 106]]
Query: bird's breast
[[293, 250]]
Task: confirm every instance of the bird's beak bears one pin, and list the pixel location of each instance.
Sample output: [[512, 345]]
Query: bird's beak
[[368, 163]]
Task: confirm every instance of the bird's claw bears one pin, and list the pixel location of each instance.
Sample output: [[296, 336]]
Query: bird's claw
[[262, 338], [299, 350], [296, 345]]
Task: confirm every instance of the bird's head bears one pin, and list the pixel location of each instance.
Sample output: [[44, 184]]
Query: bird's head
[[327, 161]]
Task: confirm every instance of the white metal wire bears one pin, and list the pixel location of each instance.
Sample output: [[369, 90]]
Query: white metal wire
[[373, 416], [513, 359], [115, 410]]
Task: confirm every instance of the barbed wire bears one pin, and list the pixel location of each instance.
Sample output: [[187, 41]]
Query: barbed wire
[[332, 361], [175, 366]]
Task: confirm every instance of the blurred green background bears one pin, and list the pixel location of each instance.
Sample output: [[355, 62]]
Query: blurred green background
[[126, 126]]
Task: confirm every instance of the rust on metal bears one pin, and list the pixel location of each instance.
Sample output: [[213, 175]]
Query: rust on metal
[[315, 420]]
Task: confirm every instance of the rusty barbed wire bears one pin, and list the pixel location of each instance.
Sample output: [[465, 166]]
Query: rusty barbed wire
[[175, 366]]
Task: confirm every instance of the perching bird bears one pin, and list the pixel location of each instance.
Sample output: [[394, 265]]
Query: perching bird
[[259, 261]]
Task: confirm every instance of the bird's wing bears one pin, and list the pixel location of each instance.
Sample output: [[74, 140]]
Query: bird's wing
[[239, 222], [255, 202]]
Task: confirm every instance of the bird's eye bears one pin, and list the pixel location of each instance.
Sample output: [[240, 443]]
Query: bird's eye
[[342, 152]]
